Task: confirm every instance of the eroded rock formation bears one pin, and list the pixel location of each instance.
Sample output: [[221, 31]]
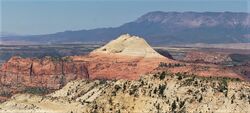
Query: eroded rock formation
[[127, 57], [163, 92], [47, 72], [127, 45]]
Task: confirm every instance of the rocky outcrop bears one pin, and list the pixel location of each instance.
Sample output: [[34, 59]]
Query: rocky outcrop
[[47, 72], [105, 66], [163, 92], [128, 57], [127, 45]]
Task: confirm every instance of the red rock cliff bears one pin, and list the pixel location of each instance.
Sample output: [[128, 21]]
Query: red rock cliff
[[127, 57], [47, 72]]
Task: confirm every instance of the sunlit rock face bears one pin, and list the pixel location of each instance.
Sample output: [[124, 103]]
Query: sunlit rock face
[[127, 57], [163, 92], [45, 72], [129, 46]]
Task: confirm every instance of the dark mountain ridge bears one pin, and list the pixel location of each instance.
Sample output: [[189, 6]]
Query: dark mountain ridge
[[161, 28]]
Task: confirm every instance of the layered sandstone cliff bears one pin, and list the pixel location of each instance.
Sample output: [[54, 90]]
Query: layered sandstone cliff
[[46, 72], [127, 57]]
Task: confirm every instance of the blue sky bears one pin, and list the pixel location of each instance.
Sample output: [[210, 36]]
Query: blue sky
[[50, 16]]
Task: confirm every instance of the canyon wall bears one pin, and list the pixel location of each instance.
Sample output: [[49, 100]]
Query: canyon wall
[[47, 72]]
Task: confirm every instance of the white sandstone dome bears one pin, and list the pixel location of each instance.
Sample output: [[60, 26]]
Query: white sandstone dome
[[129, 46]]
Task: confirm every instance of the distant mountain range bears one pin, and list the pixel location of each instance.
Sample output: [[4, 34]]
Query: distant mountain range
[[7, 34], [160, 28]]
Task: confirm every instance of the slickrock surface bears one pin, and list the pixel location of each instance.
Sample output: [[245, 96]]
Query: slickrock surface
[[163, 92], [127, 57], [127, 45]]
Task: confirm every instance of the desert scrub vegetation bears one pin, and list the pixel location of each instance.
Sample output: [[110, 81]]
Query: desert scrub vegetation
[[59, 58], [189, 81], [161, 90], [170, 65], [162, 75], [66, 59], [192, 79], [223, 86], [5, 94], [219, 84], [173, 106], [36, 90], [116, 89], [133, 90]]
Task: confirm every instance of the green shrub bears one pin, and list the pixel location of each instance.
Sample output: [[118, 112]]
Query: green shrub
[[161, 89], [189, 81], [133, 90], [232, 99], [223, 87], [117, 87], [155, 90], [170, 65], [179, 76], [173, 106], [66, 59], [36, 90], [182, 103], [200, 99], [162, 75]]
